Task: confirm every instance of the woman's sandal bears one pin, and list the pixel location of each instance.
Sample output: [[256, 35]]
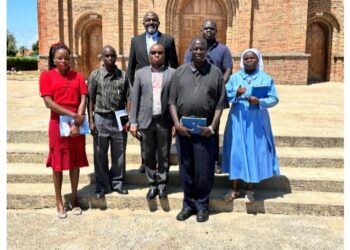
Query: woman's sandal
[[75, 210], [249, 196], [231, 195], [61, 215]]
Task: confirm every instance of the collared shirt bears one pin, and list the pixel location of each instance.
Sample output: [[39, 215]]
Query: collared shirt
[[218, 54], [151, 39], [109, 92], [157, 80], [198, 92]]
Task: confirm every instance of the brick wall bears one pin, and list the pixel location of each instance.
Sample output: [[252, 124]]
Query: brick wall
[[277, 28]]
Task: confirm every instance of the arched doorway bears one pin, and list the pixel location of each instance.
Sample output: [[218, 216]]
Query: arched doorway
[[91, 48], [317, 43], [88, 42], [191, 18]]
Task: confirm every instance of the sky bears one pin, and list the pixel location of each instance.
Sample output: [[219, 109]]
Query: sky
[[22, 21]]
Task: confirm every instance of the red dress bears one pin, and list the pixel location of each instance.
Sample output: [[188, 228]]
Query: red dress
[[64, 152]]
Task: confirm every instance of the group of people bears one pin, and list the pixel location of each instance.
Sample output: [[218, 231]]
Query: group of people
[[157, 94]]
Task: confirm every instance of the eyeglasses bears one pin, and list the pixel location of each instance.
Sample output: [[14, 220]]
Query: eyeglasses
[[156, 52]]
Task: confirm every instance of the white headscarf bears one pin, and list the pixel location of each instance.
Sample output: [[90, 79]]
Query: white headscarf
[[260, 65]]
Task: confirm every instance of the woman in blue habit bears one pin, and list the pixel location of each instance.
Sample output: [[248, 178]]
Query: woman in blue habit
[[249, 152]]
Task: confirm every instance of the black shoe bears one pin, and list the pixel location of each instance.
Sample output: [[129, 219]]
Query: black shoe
[[100, 194], [184, 214], [152, 193], [163, 193], [121, 190], [142, 169], [202, 215]]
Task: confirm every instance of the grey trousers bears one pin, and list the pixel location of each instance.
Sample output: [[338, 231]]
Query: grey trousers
[[109, 135], [157, 140]]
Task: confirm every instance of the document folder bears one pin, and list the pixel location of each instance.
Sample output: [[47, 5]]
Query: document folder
[[191, 122]]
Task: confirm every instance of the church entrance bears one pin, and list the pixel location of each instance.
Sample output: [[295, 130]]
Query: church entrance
[[191, 19], [88, 42], [91, 48], [317, 47]]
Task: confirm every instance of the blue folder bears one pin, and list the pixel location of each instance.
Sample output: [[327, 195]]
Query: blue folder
[[260, 91], [191, 122]]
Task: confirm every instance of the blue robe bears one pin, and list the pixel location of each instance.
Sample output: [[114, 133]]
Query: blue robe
[[249, 150]]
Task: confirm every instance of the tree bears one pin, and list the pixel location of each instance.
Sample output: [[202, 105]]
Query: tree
[[35, 48], [11, 44], [22, 50]]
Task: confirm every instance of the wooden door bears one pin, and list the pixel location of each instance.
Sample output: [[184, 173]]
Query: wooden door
[[94, 46], [191, 19], [316, 46]]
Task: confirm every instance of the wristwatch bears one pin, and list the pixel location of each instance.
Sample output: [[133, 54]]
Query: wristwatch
[[211, 130]]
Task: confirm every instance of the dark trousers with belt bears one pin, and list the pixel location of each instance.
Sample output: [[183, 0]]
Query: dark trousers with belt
[[156, 139], [197, 166], [108, 134]]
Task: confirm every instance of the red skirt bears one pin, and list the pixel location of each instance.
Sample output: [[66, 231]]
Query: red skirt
[[65, 153]]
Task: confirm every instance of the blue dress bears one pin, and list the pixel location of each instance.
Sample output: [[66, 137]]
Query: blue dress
[[249, 150]]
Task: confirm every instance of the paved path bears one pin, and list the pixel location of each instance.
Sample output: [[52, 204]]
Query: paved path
[[125, 229], [308, 110]]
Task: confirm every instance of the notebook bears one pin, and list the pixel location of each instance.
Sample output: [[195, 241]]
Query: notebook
[[191, 122], [260, 91], [122, 117]]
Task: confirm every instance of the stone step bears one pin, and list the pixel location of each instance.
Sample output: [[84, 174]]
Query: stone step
[[14, 136], [311, 179], [33, 196], [39, 137], [288, 156]]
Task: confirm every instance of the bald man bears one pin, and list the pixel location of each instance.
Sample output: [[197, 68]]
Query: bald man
[[109, 91], [197, 90]]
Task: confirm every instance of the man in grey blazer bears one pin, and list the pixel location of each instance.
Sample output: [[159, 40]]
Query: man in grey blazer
[[150, 115], [139, 50]]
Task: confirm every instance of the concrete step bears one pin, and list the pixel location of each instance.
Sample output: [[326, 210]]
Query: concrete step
[[288, 156], [310, 179], [14, 136], [31, 196]]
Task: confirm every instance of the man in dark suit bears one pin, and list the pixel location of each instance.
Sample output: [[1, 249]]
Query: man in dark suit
[[139, 51], [150, 115]]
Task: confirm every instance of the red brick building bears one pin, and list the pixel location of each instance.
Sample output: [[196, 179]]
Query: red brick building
[[301, 41]]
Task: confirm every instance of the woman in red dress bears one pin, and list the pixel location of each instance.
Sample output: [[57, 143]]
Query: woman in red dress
[[64, 92]]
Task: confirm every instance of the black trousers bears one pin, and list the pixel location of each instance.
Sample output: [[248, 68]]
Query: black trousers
[[156, 139], [197, 166]]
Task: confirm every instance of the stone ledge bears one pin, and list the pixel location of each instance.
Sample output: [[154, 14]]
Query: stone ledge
[[272, 202]]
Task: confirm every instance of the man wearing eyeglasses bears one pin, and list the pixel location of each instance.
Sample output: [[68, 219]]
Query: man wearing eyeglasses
[[150, 114], [139, 51]]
